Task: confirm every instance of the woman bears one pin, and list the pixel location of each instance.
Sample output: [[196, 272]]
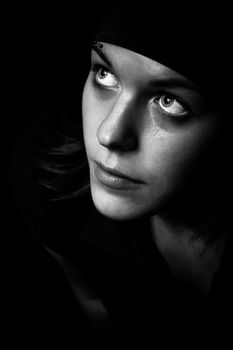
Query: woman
[[146, 246]]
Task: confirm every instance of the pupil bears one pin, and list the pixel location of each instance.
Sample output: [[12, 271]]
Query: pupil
[[103, 73], [167, 100]]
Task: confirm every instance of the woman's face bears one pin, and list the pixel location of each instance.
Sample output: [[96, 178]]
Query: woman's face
[[147, 130]]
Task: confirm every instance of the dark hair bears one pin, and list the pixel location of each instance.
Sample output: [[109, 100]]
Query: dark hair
[[59, 154]]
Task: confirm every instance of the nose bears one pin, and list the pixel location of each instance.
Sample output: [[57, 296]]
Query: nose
[[118, 130]]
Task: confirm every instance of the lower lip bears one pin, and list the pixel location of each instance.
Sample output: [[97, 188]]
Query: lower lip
[[113, 181]]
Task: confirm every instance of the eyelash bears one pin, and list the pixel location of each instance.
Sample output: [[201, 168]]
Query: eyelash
[[184, 105], [95, 67]]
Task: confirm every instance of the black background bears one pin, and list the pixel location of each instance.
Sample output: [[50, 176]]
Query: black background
[[46, 60], [46, 53]]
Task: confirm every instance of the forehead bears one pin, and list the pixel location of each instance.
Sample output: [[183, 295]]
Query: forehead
[[121, 56], [133, 64]]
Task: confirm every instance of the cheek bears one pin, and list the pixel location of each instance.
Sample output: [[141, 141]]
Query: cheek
[[91, 118], [176, 157], [94, 111]]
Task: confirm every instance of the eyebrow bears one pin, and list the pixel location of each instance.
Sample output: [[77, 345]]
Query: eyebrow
[[102, 55]]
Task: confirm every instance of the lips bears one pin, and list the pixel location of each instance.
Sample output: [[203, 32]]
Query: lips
[[114, 178]]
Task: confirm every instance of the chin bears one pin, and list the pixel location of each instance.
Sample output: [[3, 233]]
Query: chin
[[116, 212], [118, 207]]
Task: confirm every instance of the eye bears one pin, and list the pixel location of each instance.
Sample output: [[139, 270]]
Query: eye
[[105, 78], [171, 105]]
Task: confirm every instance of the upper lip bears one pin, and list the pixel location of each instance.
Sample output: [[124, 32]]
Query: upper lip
[[117, 172]]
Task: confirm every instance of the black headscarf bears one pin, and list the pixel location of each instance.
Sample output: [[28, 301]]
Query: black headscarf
[[191, 39]]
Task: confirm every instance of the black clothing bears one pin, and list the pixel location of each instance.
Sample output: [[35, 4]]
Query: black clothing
[[121, 264]]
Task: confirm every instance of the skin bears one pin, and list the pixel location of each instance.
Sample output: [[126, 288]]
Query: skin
[[125, 128], [164, 134]]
